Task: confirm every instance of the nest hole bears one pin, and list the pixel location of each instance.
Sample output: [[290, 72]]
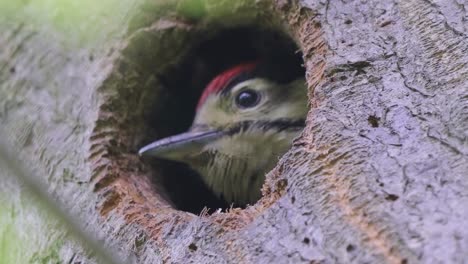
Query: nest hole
[[172, 110]]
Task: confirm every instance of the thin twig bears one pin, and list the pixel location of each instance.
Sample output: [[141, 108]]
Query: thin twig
[[35, 187]]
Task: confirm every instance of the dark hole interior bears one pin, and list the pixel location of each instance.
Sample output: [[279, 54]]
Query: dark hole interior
[[211, 54]]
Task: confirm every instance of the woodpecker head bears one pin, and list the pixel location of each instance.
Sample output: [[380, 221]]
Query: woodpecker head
[[246, 119]]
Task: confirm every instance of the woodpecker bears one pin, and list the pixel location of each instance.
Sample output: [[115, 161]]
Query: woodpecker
[[246, 118]]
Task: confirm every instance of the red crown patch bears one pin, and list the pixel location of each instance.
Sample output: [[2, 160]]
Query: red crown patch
[[222, 80]]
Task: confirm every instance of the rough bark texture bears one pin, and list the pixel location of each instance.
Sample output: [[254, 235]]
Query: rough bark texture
[[379, 174]]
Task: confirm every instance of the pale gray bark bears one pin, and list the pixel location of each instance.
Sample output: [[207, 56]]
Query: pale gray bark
[[379, 175]]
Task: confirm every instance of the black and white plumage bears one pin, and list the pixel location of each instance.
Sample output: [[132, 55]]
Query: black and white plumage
[[247, 117]]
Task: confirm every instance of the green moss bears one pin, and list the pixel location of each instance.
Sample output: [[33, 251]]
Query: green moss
[[90, 22], [192, 9], [26, 235], [12, 244], [223, 12], [49, 256], [80, 22]]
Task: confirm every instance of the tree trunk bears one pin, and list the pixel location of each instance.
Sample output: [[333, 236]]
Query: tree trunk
[[379, 174]]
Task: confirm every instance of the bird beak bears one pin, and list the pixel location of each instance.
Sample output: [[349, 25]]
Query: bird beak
[[181, 146]]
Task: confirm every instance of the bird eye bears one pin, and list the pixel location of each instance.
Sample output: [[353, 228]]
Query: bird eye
[[247, 98]]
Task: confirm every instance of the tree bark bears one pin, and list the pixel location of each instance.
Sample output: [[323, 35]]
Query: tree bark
[[379, 174]]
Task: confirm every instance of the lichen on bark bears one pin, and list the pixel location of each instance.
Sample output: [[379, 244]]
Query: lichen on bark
[[377, 176]]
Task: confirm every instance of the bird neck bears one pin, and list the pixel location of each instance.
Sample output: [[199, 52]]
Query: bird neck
[[235, 165]]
